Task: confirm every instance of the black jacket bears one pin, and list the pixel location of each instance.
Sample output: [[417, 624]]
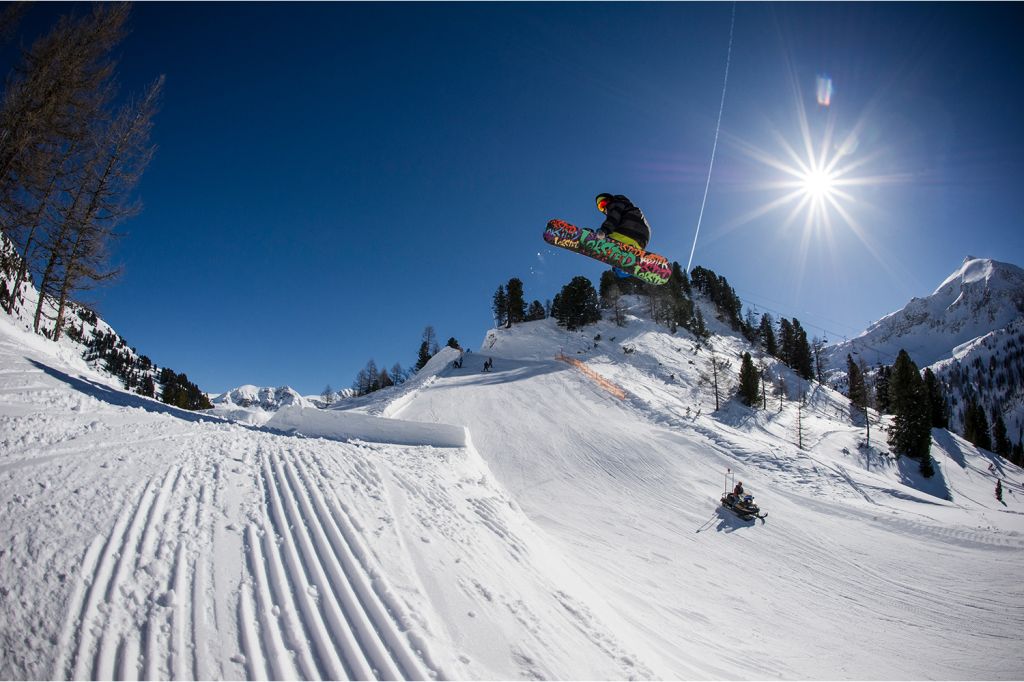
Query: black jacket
[[626, 219]]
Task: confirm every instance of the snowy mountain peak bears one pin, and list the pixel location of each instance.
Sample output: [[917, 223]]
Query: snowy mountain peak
[[988, 272], [980, 296], [269, 399]]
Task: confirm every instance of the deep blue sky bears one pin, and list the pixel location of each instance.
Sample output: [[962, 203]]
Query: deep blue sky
[[331, 178]]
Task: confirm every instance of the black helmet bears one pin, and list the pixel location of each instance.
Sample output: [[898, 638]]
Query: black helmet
[[602, 200]]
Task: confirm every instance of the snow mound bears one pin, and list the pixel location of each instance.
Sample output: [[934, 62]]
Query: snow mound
[[348, 426]]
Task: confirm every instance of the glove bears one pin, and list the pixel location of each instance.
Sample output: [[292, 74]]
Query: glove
[[600, 234]]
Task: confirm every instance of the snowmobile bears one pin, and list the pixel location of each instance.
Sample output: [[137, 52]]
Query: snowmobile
[[743, 507]]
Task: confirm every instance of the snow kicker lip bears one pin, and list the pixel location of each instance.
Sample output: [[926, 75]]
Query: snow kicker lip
[[339, 425]]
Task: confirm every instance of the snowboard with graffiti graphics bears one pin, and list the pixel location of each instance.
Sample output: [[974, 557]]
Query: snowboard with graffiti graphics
[[644, 265]]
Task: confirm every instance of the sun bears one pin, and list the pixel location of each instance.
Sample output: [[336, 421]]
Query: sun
[[816, 178], [818, 184]]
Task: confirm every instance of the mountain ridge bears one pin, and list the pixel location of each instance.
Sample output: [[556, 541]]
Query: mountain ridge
[[978, 297]]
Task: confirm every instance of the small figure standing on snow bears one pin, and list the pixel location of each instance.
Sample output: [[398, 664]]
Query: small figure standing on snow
[[488, 364], [999, 489]]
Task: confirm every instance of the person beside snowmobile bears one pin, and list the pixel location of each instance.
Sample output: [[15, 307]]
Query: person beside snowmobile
[[625, 223]]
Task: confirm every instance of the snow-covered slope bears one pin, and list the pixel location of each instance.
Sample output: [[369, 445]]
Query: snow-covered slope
[[981, 296], [556, 517], [142, 541], [862, 570]]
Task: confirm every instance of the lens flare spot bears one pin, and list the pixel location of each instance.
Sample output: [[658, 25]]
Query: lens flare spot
[[824, 89]]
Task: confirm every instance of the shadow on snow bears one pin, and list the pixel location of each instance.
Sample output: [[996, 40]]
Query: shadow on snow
[[112, 396]]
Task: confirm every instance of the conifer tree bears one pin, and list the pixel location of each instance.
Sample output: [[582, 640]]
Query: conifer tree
[[766, 333], [680, 303], [817, 346], [577, 304], [786, 342], [535, 311], [882, 378], [802, 359], [1000, 439], [976, 425], [499, 306], [717, 288], [147, 387], [938, 407], [515, 301], [697, 326], [857, 388], [556, 308], [428, 347], [453, 343], [749, 381], [911, 430], [180, 392]]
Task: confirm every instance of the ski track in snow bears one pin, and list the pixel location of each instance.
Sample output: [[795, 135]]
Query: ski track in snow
[[302, 560], [311, 603]]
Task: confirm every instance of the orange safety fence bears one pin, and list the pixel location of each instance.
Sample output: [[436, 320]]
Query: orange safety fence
[[598, 379]]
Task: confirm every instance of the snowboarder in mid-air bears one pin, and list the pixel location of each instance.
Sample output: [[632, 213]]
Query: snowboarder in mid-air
[[624, 223]]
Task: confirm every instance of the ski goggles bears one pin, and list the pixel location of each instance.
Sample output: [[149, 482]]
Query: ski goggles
[[602, 204]]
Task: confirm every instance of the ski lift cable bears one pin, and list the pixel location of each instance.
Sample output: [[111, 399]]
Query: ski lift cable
[[749, 299], [714, 147]]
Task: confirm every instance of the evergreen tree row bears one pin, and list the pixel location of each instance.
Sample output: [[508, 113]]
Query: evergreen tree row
[[371, 378], [717, 289], [888, 394], [509, 306], [137, 372], [180, 392]]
